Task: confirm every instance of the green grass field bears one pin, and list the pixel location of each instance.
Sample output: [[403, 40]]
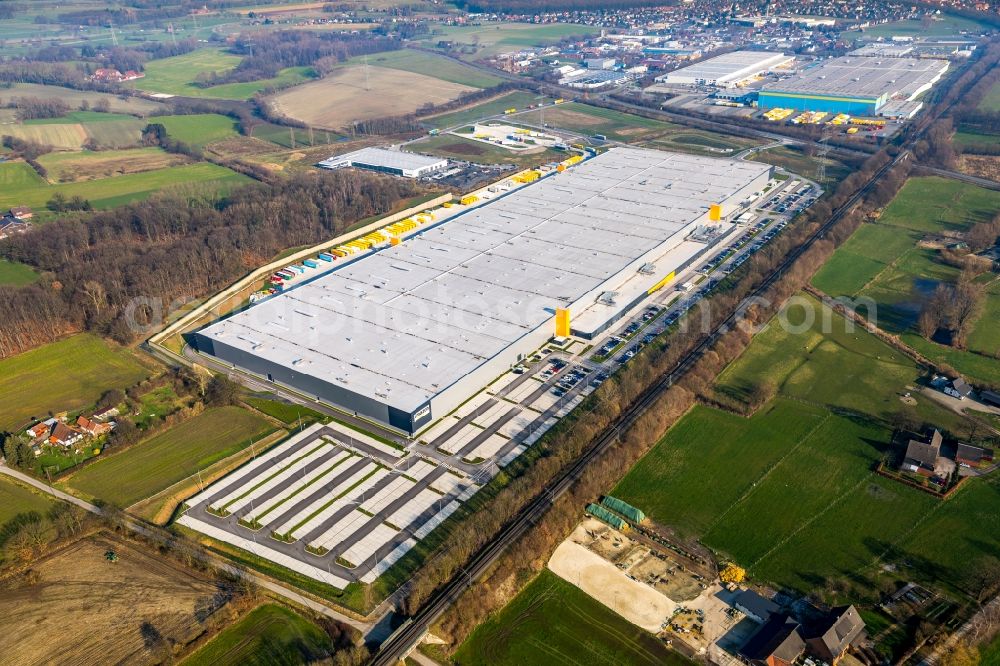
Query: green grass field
[[591, 120], [115, 191], [285, 412], [292, 137], [795, 161], [198, 129], [13, 274], [438, 66], [990, 654], [516, 100], [883, 262], [991, 100], [493, 38], [170, 456], [89, 165], [970, 137], [177, 76], [63, 376], [72, 131], [985, 336], [17, 499], [269, 634], [859, 372], [947, 26], [553, 622], [791, 494]]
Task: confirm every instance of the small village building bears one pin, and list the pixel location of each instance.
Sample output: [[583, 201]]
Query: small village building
[[924, 458], [91, 427], [21, 213], [777, 643], [830, 639], [63, 435], [967, 454], [754, 606]]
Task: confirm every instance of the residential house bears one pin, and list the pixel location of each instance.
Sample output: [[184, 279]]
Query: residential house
[[92, 428], [106, 413], [777, 643], [830, 639], [959, 389], [754, 606], [9, 226], [967, 454], [63, 435], [21, 213], [41, 429], [923, 458]]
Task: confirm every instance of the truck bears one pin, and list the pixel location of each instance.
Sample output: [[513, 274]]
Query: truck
[[311, 263], [298, 269], [325, 256], [285, 274]]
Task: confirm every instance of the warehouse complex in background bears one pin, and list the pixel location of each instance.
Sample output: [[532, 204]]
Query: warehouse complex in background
[[405, 334], [856, 85], [728, 70], [387, 161]]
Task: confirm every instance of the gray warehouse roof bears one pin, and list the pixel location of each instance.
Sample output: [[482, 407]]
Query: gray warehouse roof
[[864, 77], [733, 66], [405, 323], [392, 159]]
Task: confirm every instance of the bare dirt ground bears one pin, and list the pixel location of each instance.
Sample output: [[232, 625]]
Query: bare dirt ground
[[87, 610], [660, 569], [982, 166], [345, 96], [635, 601]]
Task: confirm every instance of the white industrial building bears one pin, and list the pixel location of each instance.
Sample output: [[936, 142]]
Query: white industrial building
[[727, 70], [406, 334], [395, 162]]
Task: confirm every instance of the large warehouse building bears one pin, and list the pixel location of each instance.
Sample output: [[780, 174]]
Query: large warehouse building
[[855, 85], [405, 334], [395, 162], [727, 70]]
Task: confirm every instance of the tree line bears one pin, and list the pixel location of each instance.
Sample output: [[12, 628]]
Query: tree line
[[265, 54], [178, 245]]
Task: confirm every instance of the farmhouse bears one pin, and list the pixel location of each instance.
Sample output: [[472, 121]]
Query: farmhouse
[[959, 389], [754, 606], [9, 226], [105, 414], [41, 429], [923, 458], [63, 435], [777, 643], [967, 454], [21, 213], [830, 639], [92, 428], [107, 75]]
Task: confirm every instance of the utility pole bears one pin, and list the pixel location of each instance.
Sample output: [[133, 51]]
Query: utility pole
[[114, 37]]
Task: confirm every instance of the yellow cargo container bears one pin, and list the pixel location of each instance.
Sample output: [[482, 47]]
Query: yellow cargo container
[[468, 199]]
